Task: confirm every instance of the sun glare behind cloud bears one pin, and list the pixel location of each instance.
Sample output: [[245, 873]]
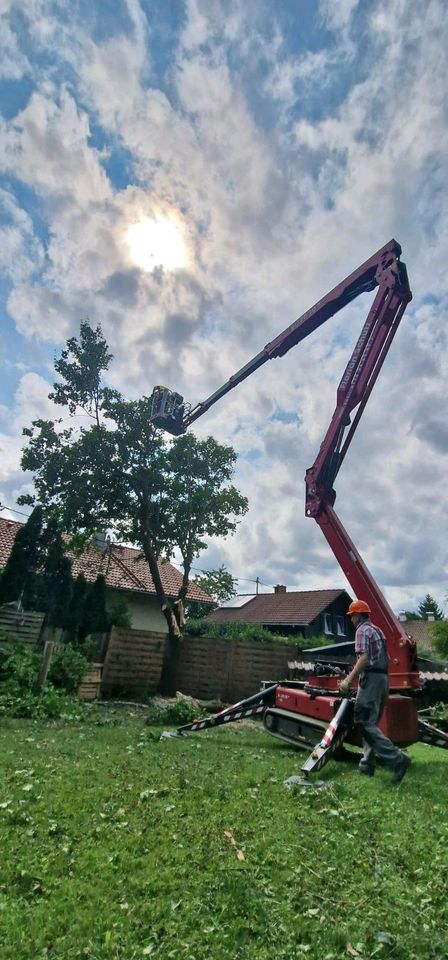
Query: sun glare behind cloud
[[156, 242]]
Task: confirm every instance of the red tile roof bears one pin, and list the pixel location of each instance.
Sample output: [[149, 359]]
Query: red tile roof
[[123, 567], [419, 630], [298, 607]]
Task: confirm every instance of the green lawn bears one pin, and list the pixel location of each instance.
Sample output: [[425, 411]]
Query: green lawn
[[114, 845]]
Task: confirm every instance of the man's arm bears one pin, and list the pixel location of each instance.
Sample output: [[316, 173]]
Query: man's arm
[[360, 665]]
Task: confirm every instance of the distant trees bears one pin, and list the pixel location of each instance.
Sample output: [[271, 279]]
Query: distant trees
[[427, 606], [18, 581], [38, 575]]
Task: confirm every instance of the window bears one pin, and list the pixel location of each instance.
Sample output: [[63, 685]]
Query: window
[[328, 623], [340, 626]]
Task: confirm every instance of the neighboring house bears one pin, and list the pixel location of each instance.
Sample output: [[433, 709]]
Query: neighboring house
[[125, 573], [309, 613], [419, 630]]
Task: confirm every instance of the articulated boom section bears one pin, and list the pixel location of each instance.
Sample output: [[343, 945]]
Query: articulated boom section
[[354, 390], [168, 409], [403, 670]]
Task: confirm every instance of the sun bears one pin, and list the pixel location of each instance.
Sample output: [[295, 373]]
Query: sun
[[156, 242]]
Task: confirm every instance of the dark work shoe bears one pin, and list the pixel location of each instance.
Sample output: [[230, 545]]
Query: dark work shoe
[[401, 769], [367, 771]]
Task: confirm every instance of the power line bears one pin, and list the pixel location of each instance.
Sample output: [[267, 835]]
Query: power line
[[236, 579]]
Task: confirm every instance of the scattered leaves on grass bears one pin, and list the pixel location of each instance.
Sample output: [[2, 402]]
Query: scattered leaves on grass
[[352, 950], [189, 892], [239, 853]]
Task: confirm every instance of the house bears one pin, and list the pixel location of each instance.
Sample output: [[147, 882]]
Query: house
[[419, 630], [309, 613], [125, 572]]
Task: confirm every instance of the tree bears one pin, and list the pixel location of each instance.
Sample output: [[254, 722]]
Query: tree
[[55, 577], [75, 612], [118, 611], [95, 617], [218, 584], [120, 473], [19, 577], [80, 366], [429, 605]]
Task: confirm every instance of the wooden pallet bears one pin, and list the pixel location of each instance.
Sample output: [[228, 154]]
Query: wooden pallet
[[90, 686]]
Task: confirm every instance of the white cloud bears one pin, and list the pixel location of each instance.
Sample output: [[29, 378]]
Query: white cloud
[[30, 402], [46, 146], [274, 213], [21, 253], [13, 64]]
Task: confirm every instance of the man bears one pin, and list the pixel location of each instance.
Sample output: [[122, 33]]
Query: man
[[371, 668]]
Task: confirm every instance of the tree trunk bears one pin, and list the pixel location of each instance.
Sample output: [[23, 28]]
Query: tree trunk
[[170, 664], [173, 614]]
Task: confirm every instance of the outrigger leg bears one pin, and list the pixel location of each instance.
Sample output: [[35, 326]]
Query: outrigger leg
[[333, 738], [250, 707], [428, 733]]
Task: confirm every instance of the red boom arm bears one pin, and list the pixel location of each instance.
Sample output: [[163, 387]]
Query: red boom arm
[[354, 390], [385, 272]]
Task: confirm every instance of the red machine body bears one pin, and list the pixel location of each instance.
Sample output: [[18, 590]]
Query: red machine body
[[399, 721], [312, 714]]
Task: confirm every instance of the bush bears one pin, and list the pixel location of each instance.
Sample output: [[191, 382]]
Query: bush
[[19, 670], [49, 705], [182, 710], [67, 669], [250, 633], [307, 643], [439, 636]]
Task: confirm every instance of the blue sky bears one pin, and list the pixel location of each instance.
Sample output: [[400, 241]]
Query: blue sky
[[195, 174]]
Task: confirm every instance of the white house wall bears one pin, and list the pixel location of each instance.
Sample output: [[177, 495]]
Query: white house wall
[[146, 614]]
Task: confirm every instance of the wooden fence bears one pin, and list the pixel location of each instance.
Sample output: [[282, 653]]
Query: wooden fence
[[133, 662], [209, 669], [22, 625]]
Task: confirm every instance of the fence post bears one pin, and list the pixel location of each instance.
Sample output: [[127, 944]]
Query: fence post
[[107, 655], [45, 665]]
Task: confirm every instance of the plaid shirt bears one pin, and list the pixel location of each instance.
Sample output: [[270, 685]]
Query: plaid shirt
[[370, 639]]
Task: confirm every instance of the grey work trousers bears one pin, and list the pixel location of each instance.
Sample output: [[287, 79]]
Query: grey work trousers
[[370, 701]]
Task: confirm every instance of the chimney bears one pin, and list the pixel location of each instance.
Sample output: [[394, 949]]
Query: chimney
[[280, 588], [430, 616], [402, 616]]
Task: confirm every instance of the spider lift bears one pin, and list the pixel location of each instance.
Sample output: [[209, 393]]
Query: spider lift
[[313, 715]]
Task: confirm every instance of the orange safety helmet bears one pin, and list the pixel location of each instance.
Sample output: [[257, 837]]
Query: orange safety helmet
[[358, 606]]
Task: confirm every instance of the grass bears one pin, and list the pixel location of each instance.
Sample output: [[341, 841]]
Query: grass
[[114, 845]]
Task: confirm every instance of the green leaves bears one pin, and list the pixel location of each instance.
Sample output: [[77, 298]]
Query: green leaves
[[120, 474], [81, 366]]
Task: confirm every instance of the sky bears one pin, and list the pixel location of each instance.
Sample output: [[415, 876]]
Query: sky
[[194, 175]]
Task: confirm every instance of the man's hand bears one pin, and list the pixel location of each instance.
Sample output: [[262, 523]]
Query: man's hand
[[344, 686]]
